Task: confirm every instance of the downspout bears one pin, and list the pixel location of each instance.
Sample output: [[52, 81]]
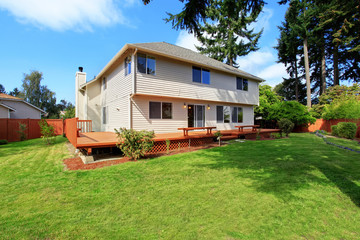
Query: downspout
[[133, 88]]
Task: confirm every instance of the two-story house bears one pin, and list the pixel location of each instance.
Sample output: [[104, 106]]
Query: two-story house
[[162, 87]]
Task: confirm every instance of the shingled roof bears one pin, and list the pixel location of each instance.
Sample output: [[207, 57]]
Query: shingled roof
[[190, 56]]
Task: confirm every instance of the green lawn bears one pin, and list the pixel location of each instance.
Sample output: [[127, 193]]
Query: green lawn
[[296, 188]]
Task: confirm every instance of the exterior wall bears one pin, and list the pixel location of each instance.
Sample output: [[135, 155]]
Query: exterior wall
[[93, 92], [23, 110], [179, 119], [116, 98], [174, 78], [4, 112]]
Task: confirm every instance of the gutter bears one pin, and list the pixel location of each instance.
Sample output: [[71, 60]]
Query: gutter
[[133, 89]]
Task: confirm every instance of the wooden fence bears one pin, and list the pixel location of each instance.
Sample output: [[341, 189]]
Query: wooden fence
[[322, 124], [9, 128], [71, 127]]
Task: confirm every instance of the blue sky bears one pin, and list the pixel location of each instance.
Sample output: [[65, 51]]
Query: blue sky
[[56, 37]]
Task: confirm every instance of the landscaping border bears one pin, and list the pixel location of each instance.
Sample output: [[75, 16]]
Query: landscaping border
[[317, 133]]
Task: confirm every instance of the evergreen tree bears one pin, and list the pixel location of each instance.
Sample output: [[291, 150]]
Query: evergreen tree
[[2, 89], [227, 36]]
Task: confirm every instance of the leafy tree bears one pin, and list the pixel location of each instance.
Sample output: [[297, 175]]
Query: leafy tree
[[342, 96], [39, 95], [227, 36], [2, 89], [287, 90], [267, 97], [69, 112], [47, 132]]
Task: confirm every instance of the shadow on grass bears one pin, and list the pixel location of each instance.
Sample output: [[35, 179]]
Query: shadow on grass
[[285, 166]]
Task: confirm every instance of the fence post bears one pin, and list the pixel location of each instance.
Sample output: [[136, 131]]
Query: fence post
[[28, 128]]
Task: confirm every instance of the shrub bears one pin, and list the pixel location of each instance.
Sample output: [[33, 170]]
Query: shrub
[[334, 130], [22, 131], [167, 141], [286, 126], [292, 110], [134, 144], [3, 141], [47, 132], [347, 130]]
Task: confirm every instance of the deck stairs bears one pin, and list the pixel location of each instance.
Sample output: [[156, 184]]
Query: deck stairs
[[228, 136]]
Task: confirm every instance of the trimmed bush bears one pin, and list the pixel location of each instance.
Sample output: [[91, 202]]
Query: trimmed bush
[[3, 141], [134, 144], [334, 130], [347, 130], [286, 126]]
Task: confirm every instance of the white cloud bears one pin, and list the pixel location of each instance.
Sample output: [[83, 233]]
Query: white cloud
[[187, 40], [62, 15], [263, 20], [273, 74]]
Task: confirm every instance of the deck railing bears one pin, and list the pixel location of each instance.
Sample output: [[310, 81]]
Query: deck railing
[[84, 125]]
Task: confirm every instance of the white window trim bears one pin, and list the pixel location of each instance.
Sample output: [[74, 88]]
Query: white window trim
[[223, 114]]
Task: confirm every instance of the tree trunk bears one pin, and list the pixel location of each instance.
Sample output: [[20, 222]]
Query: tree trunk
[[296, 82], [323, 69], [336, 64], [307, 74]]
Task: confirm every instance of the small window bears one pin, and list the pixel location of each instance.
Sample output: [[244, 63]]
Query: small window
[[241, 84], [237, 115], [155, 110], [166, 110], [104, 83], [226, 114], [150, 69], [196, 74], [219, 114], [146, 64], [201, 75], [160, 110], [223, 114], [127, 66], [104, 115]]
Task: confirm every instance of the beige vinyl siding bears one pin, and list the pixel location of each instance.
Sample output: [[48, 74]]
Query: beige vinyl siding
[[141, 120], [93, 105], [4, 112], [116, 99], [174, 78], [23, 110]]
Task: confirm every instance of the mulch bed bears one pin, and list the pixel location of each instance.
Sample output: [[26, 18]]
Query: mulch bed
[[77, 164]]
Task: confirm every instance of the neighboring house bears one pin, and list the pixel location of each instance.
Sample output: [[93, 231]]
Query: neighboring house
[[162, 87], [17, 108]]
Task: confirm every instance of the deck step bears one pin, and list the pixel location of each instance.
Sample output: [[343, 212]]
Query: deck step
[[229, 137]]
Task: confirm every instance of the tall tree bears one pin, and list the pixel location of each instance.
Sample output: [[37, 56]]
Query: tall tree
[[16, 93], [2, 89], [226, 36], [39, 95]]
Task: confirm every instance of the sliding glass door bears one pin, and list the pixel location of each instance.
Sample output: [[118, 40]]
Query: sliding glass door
[[196, 115]]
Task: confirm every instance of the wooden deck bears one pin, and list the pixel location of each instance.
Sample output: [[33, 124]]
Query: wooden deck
[[108, 139]]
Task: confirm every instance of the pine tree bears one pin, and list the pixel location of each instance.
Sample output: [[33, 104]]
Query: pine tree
[[227, 35]]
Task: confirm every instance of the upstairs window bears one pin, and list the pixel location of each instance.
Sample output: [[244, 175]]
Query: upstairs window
[[223, 114], [201, 75], [104, 83], [241, 84], [146, 64], [160, 110], [127, 66], [237, 114]]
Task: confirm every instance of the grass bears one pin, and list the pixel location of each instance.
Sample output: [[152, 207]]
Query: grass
[[296, 188]]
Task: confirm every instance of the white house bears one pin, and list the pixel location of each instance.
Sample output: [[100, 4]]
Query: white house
[[162, 87], [17, 108]]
